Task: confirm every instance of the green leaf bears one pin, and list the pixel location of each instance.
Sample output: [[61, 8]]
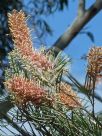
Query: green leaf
[[91, 36], [63, 3], [47, 27]]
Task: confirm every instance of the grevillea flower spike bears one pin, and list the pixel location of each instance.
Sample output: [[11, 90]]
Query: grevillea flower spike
[[22, 40], [95, 62], [68, 97], [25, 90], [94, 68]]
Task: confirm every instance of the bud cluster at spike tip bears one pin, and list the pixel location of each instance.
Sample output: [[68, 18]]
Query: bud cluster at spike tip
[[21, 37]]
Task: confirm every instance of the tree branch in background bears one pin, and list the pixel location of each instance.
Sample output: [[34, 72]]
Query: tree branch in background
[[65, 39], [81, 7]]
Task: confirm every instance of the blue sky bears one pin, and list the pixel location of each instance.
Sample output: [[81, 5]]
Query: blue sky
[[81, 44]]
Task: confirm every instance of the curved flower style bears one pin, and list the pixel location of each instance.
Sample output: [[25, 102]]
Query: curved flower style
[[21, 36], [25, 90], [68, 97]]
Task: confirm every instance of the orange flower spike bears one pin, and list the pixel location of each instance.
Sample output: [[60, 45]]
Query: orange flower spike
[[19, 30], [68, 97], [95, 62]]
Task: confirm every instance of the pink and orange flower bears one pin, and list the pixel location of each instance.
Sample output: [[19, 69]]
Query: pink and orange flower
[[25, 90]]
